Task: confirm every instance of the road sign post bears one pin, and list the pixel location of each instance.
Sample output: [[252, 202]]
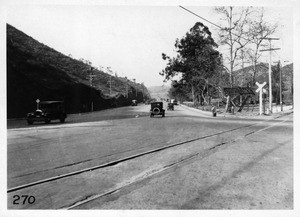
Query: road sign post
[[260, 90], [37, 104]]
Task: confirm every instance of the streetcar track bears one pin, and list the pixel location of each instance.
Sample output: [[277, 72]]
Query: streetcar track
[[164, 168], [115, 162], [115, 190], [112, 163]]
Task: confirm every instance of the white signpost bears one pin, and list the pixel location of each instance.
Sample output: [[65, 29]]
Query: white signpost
[[37, 104], [260, 90]]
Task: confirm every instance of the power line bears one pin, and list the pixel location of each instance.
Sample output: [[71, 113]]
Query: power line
[[280, 58], [226, 29], [200, 17]]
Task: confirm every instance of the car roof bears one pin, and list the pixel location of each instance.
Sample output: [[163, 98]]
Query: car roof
[[50, 102], [156, 102]]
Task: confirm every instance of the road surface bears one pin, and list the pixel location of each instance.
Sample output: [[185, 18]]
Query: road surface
[[187, 160]]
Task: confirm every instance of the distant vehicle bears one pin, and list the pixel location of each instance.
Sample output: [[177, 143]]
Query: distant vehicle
[[157, 109], [134, 103], [170, 106], [174, 101], [48, 110]]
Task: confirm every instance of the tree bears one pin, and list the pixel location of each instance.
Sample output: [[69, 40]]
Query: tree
[[179, 90], [197, 60], [259, 30], [235, 34]]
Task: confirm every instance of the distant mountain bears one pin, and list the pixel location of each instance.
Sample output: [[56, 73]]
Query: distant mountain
[[35, 70], [159, 91], [244, 76]]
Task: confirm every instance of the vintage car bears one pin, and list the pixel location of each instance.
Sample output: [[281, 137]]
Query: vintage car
[[47, 111], [170, 106], [134, 103], [157, 109], [174, 101]]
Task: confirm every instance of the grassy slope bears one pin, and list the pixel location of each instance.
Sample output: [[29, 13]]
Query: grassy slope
[[35, 70]]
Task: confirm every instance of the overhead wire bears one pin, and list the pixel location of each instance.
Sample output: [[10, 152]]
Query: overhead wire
[[200, 17], [225, 29], [280, 58]]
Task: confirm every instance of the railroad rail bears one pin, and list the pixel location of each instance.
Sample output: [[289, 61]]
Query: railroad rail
[[174, 164]]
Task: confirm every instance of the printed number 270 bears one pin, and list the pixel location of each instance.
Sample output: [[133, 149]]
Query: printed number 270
[[26, 198]]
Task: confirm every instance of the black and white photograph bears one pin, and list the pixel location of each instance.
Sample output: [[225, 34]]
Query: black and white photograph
[[151, 108]]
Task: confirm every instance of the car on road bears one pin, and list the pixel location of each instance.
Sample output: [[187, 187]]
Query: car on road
[[170, 106], [47, 111], [134, 103], [157, 109], [174, 101]]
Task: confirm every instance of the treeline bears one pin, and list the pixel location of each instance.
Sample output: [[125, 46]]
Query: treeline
[[200, 72]]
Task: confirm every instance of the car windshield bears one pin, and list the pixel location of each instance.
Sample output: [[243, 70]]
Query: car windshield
[[50, 106], [157, 104]]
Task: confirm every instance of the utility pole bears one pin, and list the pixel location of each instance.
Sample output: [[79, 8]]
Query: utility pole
[[270, 71], [135, 88], [91, 76], [108, 70], [110, 85], [280, 85], [91, 84], [242, 67], [126, 87]]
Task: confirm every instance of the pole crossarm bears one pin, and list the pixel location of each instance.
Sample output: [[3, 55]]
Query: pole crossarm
[[269, 38], [270, 49]]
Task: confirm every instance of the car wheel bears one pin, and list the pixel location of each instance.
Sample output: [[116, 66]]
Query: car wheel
[[62, 120], [156, 111], [29, 122]]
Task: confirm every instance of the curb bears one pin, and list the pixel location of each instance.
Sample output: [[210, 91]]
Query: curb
[[273, 116], [206, 113]]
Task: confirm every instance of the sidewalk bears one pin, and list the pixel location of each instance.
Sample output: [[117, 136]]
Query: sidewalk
[[255, 113], [248, 114]]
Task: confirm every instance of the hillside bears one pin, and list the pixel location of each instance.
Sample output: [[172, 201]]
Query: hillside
[[35, 70], [244, 76]]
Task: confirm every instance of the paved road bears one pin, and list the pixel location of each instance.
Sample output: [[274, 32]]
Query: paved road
[[206, 149]]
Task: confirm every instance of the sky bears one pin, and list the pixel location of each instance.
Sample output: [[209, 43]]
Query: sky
[[129, 38]]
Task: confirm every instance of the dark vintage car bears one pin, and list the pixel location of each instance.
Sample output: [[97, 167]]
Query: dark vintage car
[[170, 106], [134, 103], [157, 109], [47, 111], [174, 101]]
